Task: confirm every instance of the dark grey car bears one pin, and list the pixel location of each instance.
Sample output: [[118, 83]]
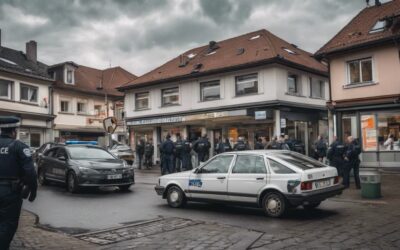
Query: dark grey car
[[84, 166]]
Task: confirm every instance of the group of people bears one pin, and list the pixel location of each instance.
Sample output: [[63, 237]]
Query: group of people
[[145, 150]]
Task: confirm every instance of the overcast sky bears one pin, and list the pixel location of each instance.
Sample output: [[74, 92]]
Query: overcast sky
[[140, 35]]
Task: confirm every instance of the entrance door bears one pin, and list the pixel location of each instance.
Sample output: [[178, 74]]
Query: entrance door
[[301, 134], [211, 181]]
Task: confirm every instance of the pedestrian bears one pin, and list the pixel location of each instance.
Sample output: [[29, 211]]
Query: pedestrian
[[17, 179], [178, 152], [148, 154], [186, 156], [241, 145], [202, 147], [389, 143], [259, 144], [218, 146], [352, 161], [320, 149], [335, 155], [140, 152], [167, 148]]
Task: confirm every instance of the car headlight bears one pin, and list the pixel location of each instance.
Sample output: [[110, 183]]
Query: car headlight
[[86, 170]]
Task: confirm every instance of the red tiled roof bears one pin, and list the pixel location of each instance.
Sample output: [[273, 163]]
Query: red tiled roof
[[88, 80], [357, 31], [266, 47]]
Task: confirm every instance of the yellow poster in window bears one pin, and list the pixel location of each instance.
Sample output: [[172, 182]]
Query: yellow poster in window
[[369, 135]]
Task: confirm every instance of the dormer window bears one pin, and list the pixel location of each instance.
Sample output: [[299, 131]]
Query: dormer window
[[379, 26], [69, 76]]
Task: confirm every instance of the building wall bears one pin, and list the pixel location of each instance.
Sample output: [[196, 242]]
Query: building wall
[[386, 74]]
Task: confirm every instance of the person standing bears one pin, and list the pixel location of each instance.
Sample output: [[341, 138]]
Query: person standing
[[335, 155], [186, 156], [389, 143], [178, 152], [320, 149], [259, 145], [140, 152], [241, 145], [202, 147], [168, 148], [148, 154], [352, 161], [17, 179]]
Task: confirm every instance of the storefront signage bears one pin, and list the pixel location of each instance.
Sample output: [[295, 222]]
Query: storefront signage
[[260, 115], [155, 121], [369, 135], [283, 123]]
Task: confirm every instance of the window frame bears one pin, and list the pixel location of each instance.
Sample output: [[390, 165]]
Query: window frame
[[163, 104], [246, 75], [206, 84], [148, 100], [321, 84], [359, 61], [69, 76], [30, 87], [9, 89], [68, 106], [296, 84], [249, 155], [84, 105]]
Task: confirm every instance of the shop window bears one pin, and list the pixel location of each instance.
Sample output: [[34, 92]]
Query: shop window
[[360, 71], [5, 89], [389, 131], [249, 164], [293, 84], [210, 90], [32, 138], [235, 133], [81, 107], [247, 84], [28, 93], [317, 88], [64, 106], [170, 96], [368, 129], [142, 100], [349, 126]]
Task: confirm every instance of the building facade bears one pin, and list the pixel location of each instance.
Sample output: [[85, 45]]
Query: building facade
[[365, 83], [252, 86], [25, 91]]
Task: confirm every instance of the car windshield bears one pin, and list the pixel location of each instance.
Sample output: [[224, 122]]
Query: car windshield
[[299, 160], [89, 153]]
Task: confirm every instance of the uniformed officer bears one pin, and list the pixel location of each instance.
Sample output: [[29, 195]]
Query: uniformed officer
[[17, 179], [178, 152], [320, 149], [352, 161], [140, 152], [241, 145], [148, 154], [167, 149], [202, 147], [186, 156], [335, 155], [259, 145]]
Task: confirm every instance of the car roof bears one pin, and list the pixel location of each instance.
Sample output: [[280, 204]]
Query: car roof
[[258, 152]]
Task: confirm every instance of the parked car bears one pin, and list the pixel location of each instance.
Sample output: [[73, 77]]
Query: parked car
[[84, 165], [123, 152], [274, 180]]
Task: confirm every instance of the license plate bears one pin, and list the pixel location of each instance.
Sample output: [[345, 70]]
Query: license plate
[[114, 176], [322, 184]]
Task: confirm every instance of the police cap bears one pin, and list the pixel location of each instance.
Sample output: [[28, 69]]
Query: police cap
[[9, 122]]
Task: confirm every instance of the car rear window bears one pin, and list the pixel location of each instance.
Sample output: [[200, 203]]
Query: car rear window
[[89, 153], [299, 160]]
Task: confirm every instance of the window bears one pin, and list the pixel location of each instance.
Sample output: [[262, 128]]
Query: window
[[379, 26], [98, 110], [247, 84], [69, 76], [219, 164], [388, 131], [64, 106], [360, 71], [249, 164], [119, 113], [142, 100], [317, 88], [279, 168], [170, 96], [292, 84], [5, 89], [32, 138], [299, 160], [81, 107], [209, 90], [28, 93], [51, 152]]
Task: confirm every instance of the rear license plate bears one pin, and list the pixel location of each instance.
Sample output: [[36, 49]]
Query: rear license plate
[[322, 184], [114, 176]]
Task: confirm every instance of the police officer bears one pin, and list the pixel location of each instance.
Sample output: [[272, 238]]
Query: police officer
[[320, 149], [186, 156], [258, 145], [140, 152], [352, 161], [241, 145], [17, 179], [335, 155], [178, 152], [202, 147], [167, 149], [148, 154]]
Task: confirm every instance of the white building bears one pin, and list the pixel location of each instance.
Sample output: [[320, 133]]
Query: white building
[[25, 91], [254, 85]]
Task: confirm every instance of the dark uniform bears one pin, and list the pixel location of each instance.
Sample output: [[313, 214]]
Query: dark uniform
[[240, 146], [148, 155], [320, 149], [202, 147], [167, 149], [140, 153], [178, 154], [335, 156], [259, 145], [352, 161], [17, 179], [186, 156]]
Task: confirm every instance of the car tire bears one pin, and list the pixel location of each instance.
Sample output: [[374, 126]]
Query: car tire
[[72, 183], [274, 204], [124, 187], [311, 205], [42, 178], [175, 197]]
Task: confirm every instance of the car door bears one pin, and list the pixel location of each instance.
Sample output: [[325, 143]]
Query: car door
[[60, 164], [210, 181], [46, 163], [247, 178]]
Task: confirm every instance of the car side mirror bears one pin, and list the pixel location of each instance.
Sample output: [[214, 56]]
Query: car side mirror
[[62, 158]]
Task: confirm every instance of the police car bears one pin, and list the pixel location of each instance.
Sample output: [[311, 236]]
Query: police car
[[83, 164], [274, 180]]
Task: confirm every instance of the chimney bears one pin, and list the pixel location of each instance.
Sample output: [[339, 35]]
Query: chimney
[[31, 51]]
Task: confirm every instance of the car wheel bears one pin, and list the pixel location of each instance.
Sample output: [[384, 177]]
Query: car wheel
[[274, 204], [175, 197], [72, 183], [124, 187], [312, 205], [42, 177]]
